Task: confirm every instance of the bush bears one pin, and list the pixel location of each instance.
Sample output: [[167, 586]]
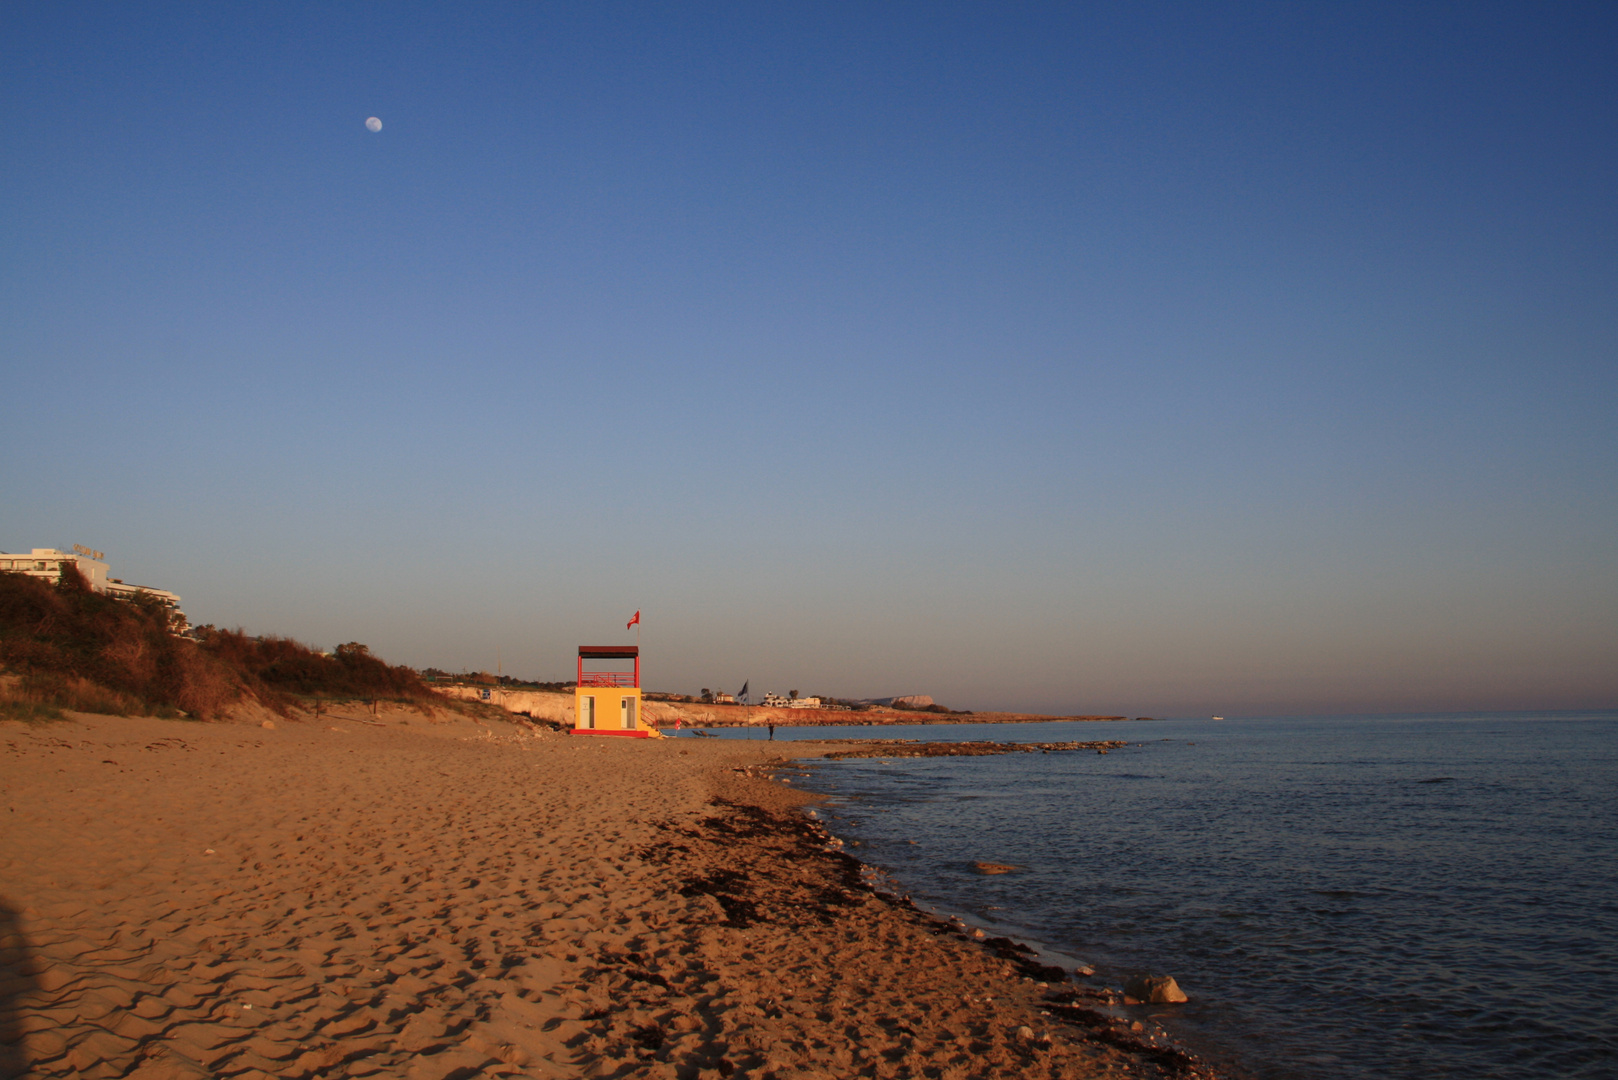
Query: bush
[[287, 667], [28, 712], [77, 649]]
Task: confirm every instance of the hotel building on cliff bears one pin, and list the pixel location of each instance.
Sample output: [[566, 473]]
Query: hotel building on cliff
[[47, 563]]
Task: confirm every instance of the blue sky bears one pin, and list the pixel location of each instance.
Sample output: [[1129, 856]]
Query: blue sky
[[1158, 359]]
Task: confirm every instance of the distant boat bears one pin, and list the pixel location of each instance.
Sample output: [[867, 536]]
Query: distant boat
[[1219, 718]]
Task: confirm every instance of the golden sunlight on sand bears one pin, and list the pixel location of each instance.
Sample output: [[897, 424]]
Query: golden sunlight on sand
[[436, 897]]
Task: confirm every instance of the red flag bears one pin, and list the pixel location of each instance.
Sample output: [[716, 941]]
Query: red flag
[[633, 621]]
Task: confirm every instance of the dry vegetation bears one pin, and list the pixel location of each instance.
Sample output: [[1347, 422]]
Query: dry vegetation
[[64, 646]]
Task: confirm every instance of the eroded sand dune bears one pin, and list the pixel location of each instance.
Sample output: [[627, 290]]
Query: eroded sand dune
[[442, 899]]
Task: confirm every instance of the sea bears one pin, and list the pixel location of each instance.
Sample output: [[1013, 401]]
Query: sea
[[1340, 897]]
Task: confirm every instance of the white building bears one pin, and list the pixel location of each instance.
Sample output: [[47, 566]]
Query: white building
[[779, 702], [47, 563]]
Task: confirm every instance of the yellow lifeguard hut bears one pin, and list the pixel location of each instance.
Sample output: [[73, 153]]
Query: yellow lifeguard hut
[[608, 702]]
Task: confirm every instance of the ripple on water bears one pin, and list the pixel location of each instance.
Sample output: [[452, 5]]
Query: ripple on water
[[1360, 897]]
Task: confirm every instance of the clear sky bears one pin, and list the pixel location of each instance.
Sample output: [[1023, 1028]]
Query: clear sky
[[1157, 359]]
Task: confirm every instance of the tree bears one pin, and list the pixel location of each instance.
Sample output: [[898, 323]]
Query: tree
[[352, 652]]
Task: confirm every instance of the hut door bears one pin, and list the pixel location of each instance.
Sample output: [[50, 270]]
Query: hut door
[[587, 712], [626, 709]]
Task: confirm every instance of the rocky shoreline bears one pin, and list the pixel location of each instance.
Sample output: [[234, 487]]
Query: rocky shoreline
[[1034, 1009]]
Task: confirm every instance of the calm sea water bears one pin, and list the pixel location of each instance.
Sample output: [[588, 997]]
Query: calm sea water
[[1348, 897]]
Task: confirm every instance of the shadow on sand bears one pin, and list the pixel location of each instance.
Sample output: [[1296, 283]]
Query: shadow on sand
[[16, 983]]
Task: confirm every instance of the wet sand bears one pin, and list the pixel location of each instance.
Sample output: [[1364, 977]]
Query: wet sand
[[437, 897]]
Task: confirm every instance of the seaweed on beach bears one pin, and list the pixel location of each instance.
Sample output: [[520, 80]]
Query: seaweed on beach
[[725, 886], [771, 865], [741, 820], [661, 853]]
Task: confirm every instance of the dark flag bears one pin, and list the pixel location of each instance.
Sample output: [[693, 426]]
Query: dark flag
[[741, 695]]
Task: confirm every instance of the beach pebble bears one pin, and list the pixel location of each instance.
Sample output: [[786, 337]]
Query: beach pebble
[[1025, 1033], [268, 725], [1157, 989]]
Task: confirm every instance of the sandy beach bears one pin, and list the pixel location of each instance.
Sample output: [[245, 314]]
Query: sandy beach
[[433, 896]]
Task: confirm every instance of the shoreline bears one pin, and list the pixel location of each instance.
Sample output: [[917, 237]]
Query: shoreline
[[1077, 994], [393, 894]]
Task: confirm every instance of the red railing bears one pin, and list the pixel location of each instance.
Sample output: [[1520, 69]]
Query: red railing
[[606, 678]]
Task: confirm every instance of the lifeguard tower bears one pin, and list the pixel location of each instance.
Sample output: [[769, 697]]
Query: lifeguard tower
[[608, 702]]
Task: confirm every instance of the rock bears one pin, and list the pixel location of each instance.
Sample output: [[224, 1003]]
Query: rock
[[994, 867], [1156, 989], [268, 725], [1025, 1033]]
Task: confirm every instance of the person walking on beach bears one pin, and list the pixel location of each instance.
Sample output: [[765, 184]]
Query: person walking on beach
[[772, 732]]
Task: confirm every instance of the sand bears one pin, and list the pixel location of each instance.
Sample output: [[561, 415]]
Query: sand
[[439, 898]]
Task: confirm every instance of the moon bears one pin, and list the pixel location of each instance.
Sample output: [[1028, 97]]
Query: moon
[[373, 124]]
